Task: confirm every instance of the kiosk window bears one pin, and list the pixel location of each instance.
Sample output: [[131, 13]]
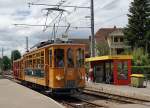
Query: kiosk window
[[122, 70], [80, 57], [70, 62], [59, 57]]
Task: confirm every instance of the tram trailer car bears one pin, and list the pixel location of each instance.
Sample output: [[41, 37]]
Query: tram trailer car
[[58, 67]]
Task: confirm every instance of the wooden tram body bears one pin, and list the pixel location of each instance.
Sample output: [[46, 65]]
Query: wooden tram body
[[55, 66]]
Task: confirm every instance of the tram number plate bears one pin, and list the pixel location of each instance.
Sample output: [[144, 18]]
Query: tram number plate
[[70, 73]]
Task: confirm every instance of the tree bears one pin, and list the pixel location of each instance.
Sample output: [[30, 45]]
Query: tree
[[138, 23], [148, 42], [139, 57], [102, 49], [15, 54], [6, 63]]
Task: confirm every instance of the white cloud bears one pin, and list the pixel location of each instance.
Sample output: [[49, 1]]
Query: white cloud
[[17, 11]]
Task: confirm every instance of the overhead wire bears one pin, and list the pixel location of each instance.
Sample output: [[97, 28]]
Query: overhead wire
[[45, 27], [59, 15], [58, 22], [85, 2], [72, 14], [110, 19]]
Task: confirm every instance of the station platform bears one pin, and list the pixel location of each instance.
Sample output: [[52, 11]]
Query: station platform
[[13, 95], [121, 90]]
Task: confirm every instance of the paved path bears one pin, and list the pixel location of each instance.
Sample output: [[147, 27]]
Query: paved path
[[13, 95], [128, 91]]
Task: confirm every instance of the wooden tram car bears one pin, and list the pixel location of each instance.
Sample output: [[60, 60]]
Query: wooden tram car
[[57, 67]]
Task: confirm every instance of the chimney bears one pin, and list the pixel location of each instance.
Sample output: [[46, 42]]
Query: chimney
[[115, 27]]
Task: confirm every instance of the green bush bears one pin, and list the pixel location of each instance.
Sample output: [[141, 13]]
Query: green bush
[[141, 70], [140, 57]]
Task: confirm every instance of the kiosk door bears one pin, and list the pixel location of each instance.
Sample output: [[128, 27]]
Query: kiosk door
[[99, 73], [109, 73]]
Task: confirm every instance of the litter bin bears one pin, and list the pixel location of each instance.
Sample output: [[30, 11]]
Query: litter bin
[[137, 80]]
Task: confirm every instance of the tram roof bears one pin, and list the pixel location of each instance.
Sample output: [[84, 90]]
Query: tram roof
[[17, 60], [61, 44], [112, 57], [53, 45]]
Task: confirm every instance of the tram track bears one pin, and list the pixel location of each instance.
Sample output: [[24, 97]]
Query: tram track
[[74, 102], [117, 97]]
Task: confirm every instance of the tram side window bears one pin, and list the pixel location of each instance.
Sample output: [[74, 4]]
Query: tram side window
[[122, 70], [42, 62], [50, 58], [39, 73], [30, 63], [80, 57], [70, 62], [34, 63], [59, 57], [38, 63]]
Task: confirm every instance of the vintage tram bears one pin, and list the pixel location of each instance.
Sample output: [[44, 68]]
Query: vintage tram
[[58, 67]]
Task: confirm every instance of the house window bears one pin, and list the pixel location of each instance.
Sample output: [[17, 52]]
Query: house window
[[121, 39], [120, 51], [115, 39]]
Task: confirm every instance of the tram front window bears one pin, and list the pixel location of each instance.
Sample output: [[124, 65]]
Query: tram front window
[[70, 62], [122, 70], [59, 57]]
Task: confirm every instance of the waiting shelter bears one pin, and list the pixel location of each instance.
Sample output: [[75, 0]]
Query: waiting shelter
[[111, 69]]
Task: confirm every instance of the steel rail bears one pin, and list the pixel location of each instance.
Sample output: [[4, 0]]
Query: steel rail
[[117, 97]]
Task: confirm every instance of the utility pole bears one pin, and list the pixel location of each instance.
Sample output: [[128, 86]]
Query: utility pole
[[27, 44], [92, 30], [2, 52], [2, 61], [54, 33]]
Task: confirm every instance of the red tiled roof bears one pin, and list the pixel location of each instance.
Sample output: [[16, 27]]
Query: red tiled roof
[[102, 33]]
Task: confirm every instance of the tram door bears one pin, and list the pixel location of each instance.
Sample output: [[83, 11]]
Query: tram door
[[79, 65], [99, 73], [50, 66], [56, 67], [69, 69]]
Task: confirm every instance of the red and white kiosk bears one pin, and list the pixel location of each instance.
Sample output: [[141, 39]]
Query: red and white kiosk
[[111, 69]]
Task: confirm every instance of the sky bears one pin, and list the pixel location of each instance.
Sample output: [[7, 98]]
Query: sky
[[107, 14]]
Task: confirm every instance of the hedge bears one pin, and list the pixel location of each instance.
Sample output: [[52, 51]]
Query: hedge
[[141, 70]]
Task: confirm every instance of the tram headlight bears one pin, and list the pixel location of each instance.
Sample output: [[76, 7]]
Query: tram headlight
[[83, 77], [58, 77]]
